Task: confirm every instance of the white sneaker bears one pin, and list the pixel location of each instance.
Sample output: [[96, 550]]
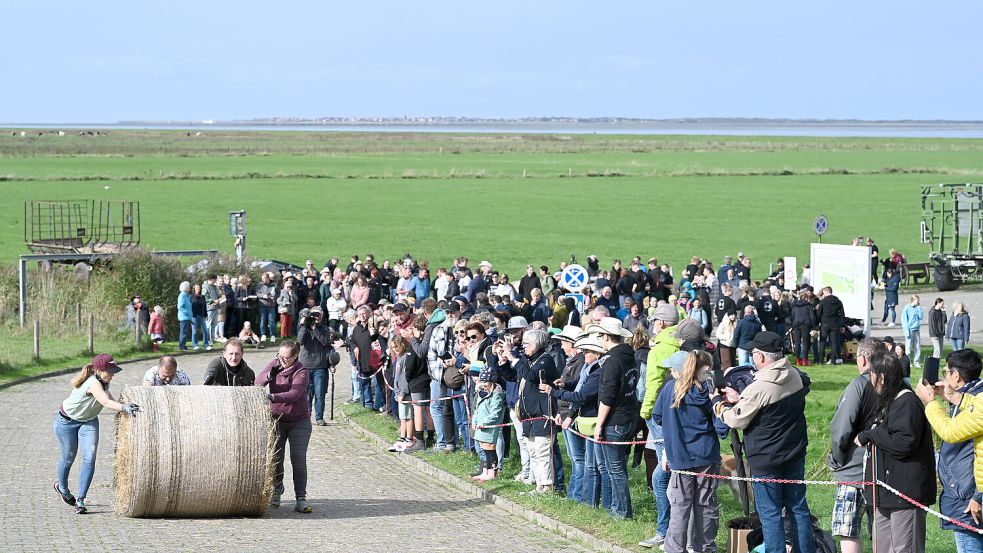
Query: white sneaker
[[891, 324], [209, 348], [262, 338], [196, 348], [272, 339]]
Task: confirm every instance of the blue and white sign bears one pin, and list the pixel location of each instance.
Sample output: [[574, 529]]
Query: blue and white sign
[[821, 225], [574, 278], [579, 298]]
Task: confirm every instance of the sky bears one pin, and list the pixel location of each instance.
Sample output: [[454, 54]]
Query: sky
[[104, 62]]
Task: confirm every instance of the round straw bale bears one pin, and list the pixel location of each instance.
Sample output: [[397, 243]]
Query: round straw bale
[[194, 451]]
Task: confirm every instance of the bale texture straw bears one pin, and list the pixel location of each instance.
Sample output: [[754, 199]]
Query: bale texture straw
[[194, 451]]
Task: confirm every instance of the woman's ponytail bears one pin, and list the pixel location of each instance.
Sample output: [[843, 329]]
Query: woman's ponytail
[[83, 375]]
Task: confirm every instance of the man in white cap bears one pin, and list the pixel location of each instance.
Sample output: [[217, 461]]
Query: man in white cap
[[617, 409]]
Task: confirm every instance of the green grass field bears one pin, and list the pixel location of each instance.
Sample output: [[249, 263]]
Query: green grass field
[[511, 199]]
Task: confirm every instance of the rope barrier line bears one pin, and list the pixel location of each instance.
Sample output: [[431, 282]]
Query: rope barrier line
[[417, 401], [604, 442], [504, 424], [773, 480], [371, 376], [930, 510], [858, 484]]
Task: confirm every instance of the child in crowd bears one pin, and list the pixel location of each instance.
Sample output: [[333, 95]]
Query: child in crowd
[[247, 336], [489, 411], [401, 387], [156, 327]]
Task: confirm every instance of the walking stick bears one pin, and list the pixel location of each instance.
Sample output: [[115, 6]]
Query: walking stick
[[332, 377]]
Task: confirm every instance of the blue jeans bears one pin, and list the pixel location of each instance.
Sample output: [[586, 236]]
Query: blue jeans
[[317, 387], [958, 344], [371, 393], [437, 390], [356, 381], [267, 320], [660, 481], [913, 347], [460, 419], [575, 450], [892, 309], [200, 327], [71, 435], [743, 357], [614, 462], [185, 331], [967, 542], [597, 487], [770, 498]]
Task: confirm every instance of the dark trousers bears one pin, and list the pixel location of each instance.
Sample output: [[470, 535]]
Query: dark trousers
[[801, 341], [232, 323], [830, 336], [298, 433]]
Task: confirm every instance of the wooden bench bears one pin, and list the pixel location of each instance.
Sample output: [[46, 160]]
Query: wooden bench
[[917, 273]]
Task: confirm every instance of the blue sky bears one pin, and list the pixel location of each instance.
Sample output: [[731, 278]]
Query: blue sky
[[109, 61]]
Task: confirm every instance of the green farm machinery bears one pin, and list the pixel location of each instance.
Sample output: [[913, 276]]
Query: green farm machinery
[[952, 225]]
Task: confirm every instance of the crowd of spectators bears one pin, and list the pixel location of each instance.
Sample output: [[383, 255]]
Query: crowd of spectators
[[469, 360]]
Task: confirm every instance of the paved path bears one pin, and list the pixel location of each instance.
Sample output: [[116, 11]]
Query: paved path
[[363, 499], [970, 296]]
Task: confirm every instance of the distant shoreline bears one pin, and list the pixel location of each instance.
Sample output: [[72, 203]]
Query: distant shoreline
[[695, 126]]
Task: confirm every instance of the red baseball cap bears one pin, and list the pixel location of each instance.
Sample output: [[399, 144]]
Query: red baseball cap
[[104, 362]]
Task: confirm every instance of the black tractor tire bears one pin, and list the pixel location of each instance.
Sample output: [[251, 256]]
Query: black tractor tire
[[944, 279]]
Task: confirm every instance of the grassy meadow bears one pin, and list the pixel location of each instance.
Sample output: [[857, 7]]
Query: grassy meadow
[[511, 199]]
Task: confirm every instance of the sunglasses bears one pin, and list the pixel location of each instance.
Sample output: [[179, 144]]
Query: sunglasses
[[472, 336], [459, 332]]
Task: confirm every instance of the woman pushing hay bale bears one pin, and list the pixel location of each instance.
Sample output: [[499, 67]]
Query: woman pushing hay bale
[[195, 451]]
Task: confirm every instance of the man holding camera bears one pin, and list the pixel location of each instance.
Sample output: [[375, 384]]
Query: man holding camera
[[771, 412], [316, 345]]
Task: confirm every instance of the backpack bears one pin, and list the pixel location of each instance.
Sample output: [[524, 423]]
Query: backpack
[[375, 356]]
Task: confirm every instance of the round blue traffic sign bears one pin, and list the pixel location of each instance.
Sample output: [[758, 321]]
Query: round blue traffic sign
[[821, 225], [574, 278]]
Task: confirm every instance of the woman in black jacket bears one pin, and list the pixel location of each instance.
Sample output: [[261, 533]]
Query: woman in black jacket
[[901, 443], [532, 368]]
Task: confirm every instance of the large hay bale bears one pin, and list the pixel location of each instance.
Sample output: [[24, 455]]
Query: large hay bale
[[194, 451]]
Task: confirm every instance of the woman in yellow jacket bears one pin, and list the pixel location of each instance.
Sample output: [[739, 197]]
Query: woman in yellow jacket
[[963, 420]]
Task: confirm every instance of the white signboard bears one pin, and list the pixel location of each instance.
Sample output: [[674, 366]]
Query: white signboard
[[574, 278], [791, 273], [846, 269]]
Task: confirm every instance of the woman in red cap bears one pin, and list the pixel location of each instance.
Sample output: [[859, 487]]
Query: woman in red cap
[[77, 424]]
